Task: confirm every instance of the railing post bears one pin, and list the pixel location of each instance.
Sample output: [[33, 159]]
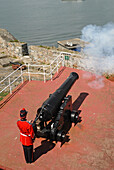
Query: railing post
[[44, 75], [51, 72], [28, 72], [63, 63], [29, 76], [71, 62], [21, 74], [28, 67], [57, 65], [10, 86]]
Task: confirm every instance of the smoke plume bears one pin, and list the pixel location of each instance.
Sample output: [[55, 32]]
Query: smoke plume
[[99, 53]]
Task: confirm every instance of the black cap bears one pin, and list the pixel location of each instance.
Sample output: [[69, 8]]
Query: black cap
[[23, 113]]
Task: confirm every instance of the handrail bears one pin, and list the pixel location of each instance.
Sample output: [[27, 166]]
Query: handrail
[[56, 61], [9, 78], [44, 73], [11, 74]]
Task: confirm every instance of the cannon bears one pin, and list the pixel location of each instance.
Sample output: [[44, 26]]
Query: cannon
[[16, 65], [55, 116]]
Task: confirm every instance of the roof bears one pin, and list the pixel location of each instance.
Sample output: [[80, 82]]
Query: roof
[[72, 43]]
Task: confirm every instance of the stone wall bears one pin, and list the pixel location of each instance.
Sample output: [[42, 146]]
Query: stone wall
[[45, 55], [16, 49], [11, 46]]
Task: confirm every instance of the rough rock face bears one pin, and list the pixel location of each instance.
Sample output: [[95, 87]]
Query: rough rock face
[[5, 35], [5, 60], [11, 45]]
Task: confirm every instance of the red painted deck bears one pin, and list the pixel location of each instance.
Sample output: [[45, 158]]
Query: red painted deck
[[91, 142]]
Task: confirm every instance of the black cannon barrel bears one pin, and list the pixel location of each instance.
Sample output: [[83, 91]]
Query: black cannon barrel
[[15, 63], [51, 106]]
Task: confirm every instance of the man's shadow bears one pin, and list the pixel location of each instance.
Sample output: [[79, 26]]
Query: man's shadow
[[49, 145], [45, 147]]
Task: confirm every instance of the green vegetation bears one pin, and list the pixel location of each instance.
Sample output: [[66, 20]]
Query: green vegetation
[[107, 77], [1, 98], [14, 41], [3, 94], [13, 57], [47, 47]]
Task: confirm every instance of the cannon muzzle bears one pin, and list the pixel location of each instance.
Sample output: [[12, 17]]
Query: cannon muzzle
[[52, 105]]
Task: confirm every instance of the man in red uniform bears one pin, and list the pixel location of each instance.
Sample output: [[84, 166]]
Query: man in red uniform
[[26, 136]]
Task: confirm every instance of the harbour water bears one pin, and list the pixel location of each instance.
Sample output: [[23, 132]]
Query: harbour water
[[44, 22]]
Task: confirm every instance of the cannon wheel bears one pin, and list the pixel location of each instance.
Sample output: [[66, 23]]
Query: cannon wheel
[[74, 117], [61, 136]]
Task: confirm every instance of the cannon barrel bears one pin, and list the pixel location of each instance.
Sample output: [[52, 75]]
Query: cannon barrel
[[52, 105], [15, 63]]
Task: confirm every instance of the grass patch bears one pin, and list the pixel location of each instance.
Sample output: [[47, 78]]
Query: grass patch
[[14, 41], [1, 98], [3, 94], [47, 47], [13, 57], [107, 77]]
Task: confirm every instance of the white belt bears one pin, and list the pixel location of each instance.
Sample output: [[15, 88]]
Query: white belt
[[24, 134]]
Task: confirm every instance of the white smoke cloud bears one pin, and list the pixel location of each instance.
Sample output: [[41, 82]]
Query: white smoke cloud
[[100, 50], [95, 81], [98, 83]]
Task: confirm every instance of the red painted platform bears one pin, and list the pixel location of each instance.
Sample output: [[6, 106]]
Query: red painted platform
[[91, 142]]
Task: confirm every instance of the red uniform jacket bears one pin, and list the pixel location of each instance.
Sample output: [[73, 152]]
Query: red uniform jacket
[[26, 132]]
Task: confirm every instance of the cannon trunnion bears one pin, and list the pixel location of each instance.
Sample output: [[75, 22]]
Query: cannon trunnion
[[54, 118]]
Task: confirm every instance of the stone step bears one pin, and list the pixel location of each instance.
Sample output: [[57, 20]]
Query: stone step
[[3, 56], [5, 61]]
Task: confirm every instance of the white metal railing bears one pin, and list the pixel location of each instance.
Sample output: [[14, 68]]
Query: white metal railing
[[57, 61], [8, 79]]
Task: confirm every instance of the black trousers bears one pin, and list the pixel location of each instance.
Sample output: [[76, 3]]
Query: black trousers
[[28, 152]]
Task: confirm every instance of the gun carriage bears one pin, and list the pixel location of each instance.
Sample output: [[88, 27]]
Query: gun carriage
[[55, 116]]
